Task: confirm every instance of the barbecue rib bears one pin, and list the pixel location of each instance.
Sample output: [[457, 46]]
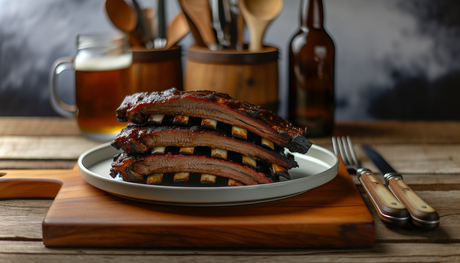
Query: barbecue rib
[[136, 169], [136, 140], [180, 136], [139, 107]]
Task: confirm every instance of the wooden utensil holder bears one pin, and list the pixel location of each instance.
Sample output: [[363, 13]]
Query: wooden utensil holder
[[244, 75], [157, 69]]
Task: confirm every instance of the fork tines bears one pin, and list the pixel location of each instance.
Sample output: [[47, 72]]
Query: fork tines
[[344, 147]]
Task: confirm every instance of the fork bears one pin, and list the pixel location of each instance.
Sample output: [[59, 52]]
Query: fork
[[392, 212]]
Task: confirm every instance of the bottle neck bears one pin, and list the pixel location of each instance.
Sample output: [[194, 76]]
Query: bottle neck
[[312, 14]]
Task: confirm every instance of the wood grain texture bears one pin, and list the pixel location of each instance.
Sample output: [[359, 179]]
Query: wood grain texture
[[432, 174], [384, 252], [37, 164], [43, 126], [393, 132], [157, 75], [256, 83], [446, 203], [44, 147], [82, 215], [31, 213]]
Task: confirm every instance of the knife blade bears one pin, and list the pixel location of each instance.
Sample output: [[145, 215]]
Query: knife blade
[[422, 214]]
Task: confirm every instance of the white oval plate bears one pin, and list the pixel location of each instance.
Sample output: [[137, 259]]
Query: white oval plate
[[316, 168]]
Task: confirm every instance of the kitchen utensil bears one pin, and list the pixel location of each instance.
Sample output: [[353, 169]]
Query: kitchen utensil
[[198, 11], [258, 14], [221, 21], [422, 214], [148, 13], [389, 209], [237, 26], [124, 18], [143, 26], [160, 40], [176, 30], [331, 216]]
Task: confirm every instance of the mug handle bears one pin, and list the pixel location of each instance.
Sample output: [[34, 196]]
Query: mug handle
[[59, 106]]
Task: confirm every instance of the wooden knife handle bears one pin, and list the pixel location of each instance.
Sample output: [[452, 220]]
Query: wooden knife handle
[[391, 211], [422, 214]]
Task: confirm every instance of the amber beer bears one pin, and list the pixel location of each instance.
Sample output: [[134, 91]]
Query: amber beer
[[311, 73], [103, 78], [100, 87]]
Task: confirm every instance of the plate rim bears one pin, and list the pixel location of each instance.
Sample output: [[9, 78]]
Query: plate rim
[[89, 176]]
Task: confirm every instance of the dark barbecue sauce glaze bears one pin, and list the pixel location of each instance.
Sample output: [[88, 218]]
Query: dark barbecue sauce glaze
[[132, 103]]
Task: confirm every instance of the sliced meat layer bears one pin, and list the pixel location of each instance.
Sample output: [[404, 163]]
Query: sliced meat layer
[[138, 107], [137, 169], [138, 140]]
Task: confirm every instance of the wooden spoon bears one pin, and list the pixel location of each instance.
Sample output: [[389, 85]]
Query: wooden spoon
[[176, 30], [199, 13], [257, 15], [124, 18]]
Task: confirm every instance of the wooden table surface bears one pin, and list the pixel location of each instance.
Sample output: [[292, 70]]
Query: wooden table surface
[[426, 153]]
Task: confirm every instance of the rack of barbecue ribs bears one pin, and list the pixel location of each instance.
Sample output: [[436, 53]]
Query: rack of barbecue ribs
[[203, 138]]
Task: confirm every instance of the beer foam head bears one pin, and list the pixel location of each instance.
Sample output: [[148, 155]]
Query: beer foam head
[[103, 63]]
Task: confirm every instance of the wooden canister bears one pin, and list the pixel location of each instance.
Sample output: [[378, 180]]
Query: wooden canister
[[157, 69], [244, 75]]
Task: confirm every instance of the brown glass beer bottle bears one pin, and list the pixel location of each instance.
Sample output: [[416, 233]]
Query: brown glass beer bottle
[[311, 73]]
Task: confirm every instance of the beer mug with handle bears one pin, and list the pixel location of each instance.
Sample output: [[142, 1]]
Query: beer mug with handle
[[102, 80]]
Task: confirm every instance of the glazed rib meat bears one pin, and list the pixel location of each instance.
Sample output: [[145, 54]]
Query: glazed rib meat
[[136, 140], [175, 137], [136, 169], [137, 108]]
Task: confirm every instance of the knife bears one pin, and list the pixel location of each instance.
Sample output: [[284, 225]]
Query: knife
[[391, 211], [422, 214]]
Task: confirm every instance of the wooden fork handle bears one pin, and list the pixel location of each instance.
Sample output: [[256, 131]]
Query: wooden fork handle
[[390, 210]]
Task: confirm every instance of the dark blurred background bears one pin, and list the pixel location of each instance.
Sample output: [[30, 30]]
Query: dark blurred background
[[396, 59]]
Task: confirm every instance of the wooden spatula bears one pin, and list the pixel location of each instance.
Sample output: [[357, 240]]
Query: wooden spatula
[[199, 13]]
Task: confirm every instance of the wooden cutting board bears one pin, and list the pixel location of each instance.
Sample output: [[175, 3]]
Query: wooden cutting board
[[330, 216]]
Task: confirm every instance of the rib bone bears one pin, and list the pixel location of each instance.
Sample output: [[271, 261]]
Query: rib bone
[[232, 182], [159, 150], [155, 178], [208, 178], [280, 171], [209, 123], [239, 132], [181, 177], [180, 120], [219, 153], [268, 143], [187, 150], [249, 161], [156, 119]]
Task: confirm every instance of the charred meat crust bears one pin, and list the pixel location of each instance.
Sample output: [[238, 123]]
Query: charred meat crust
[[132, 169], [136, 140], [221, 107]]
